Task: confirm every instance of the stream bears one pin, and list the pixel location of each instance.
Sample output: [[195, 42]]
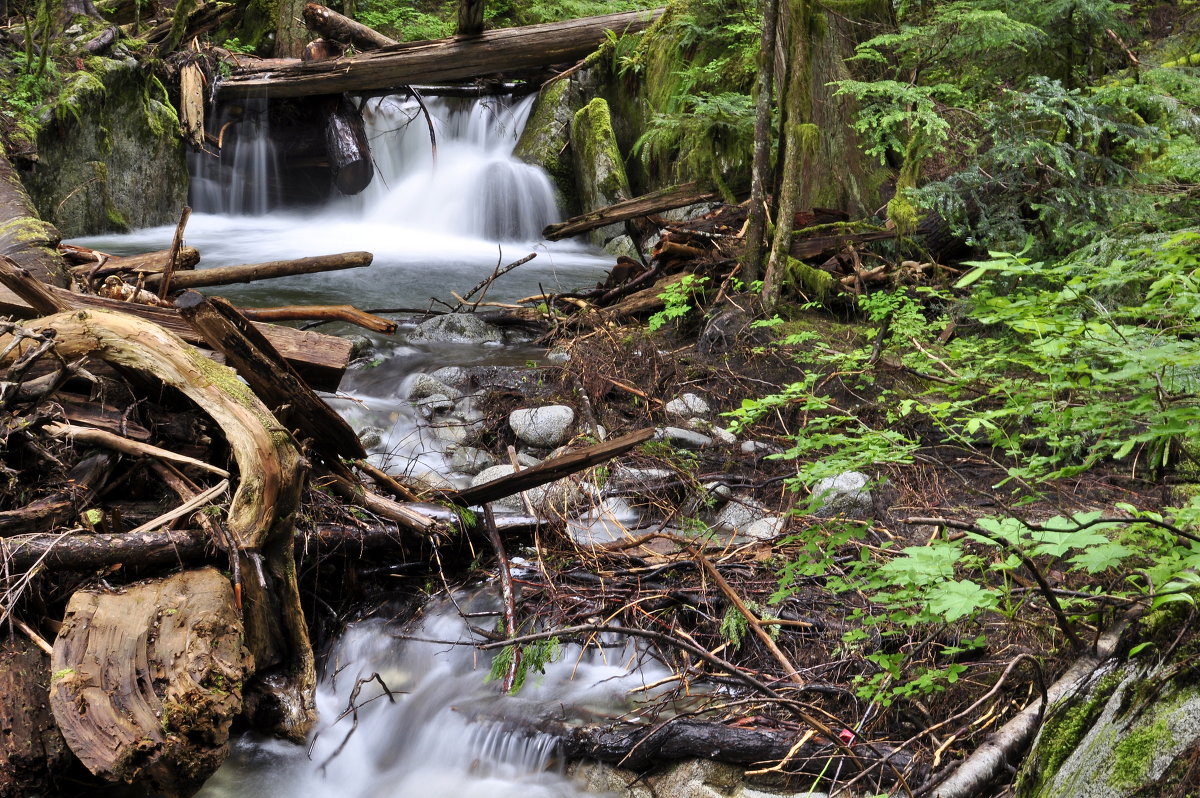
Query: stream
[[434, 227]]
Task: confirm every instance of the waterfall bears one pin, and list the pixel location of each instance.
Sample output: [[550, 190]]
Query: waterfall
[[472, 187], [442, 733]]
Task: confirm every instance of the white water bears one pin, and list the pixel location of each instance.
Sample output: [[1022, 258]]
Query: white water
[[445, 735]]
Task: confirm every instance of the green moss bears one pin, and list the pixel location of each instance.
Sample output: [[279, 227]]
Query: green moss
[[817, 285], [903, 214], [1134, 754], [598, 163]]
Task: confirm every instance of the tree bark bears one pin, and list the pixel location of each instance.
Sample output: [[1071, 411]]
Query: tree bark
[[347, 146], [32, 750], [764, 88], [290, 35], [24, 237], [438, 61], [470, 18], [329, 24]]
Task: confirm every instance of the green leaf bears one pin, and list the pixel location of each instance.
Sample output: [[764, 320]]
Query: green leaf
[[957, 599]]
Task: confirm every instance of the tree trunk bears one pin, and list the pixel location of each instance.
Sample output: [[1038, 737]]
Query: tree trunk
[[654, 202], [470, 17], [438, 61], [24, 237], [764, 88], [248, 273], [290, 34], [347, 146]]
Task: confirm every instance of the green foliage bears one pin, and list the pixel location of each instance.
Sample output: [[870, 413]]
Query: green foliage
[[404, 21], [678, 298], [533, 658]]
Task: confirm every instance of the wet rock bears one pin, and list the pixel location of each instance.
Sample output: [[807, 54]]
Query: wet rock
[[361, 347], [422, 386], [371, 437], [599, 165], [434, 405], [455, 377], [542, 427], [558, 357], [683, 438], [559, 498], [469, 460], [510, 503], [740, 512], [758, 448], [688, 405], [456, 328], [427, 480], [629, 478], [528, 459], [845, 494]]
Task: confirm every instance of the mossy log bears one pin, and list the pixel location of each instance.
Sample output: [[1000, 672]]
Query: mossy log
[[262, 511], [148, 679], [24, 237]]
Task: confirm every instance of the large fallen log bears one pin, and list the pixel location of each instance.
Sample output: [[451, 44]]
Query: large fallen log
[[437, 61], [347, 146], [654, 202], [250, 272], [329, 24], [147, 680]]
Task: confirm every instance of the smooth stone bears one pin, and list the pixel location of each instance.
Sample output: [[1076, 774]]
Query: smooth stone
[[371, 437], [512, 503], [455, 377], [684, 438], [456, 328], [527, 459], [758, 448], [434, 405], [427, 479], [765, 528], [687, 405], [543, 427], [845, 494], [706, 427], [740, 512], [558, 357], [629, 478], [422, 386], [469, 460]]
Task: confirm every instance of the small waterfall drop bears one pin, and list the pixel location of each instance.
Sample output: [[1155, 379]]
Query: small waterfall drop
[[472, 186], [244, 180], [445, 734]]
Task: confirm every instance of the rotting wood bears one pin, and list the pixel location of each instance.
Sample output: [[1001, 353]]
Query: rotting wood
[[347, 146], [262, 510], [438, 61], [346, 313], [320, 359], [29, 241], [32, 750], [549, 471], [84, 480], [269, 374], [147, 680], [191, 104], [407, 518], [250, 272], [806, 248], [329, 24], [654, 202]]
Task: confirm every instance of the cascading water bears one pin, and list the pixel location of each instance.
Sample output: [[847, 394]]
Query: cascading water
[[442, 733], [434, 225]]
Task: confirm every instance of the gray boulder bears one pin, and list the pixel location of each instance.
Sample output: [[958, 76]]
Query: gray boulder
[[845, 494], [542, 427], [422, 386], [688, 405], [456, 328], [683, 438], [469, 460]]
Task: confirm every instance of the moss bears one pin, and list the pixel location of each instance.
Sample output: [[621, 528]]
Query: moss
[[903, 214], [545, 141], [1134, 754], [598, 165], [815, 284]]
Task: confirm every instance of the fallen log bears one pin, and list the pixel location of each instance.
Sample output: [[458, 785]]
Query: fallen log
[[437, 61], [250, 272], [806, 248], [24, 237], [654, 202], [269, 375], [147, 263], [549, 471], [347, 146], [329, 24], [147, 680], [346, 313]]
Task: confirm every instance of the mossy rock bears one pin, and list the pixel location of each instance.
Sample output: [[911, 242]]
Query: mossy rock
[[546, 139], [110, 158], [599, 167]]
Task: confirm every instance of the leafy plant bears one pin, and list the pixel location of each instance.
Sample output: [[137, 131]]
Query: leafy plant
[[677, 300]]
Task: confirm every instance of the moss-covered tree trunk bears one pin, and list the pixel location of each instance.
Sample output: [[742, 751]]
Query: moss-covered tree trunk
[[822, 163], [764, 87], [24, 237]]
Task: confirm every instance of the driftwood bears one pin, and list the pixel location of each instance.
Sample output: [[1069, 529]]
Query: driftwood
[[191, 104], [247, 273], [24, 237], [147, 680], [438, 61], [346, 313], [550, 470], [101, 265], [31, 748], [261, 512], [269, 375], [320, 359], [100, 44], [329, 24], [654, 202]]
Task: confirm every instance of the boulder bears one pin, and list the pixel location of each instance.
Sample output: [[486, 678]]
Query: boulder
[[542, 427], [469, 460], [845, 494], [456, 328], [421, 386], [688, 405], [599, 167]]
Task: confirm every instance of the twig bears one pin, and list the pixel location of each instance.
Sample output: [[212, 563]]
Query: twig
[[37, 639], [164, 286], [110, 440], [498, 272], [183, 509]]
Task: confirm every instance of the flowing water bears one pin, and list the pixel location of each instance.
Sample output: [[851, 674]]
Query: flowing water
[[435, 223]]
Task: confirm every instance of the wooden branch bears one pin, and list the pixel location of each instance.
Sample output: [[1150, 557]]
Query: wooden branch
[[189, 506], [164, 284], [35, 293], [549, 471], [150, 263], [406, 518], [329, 24], [268, 374], [439, 61], [656, 201], [109, 440], [346, 313], [248, 273]]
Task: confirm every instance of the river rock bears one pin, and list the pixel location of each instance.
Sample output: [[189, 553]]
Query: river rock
[[456, 328], [528, 458], [422, 386], [758, 448], [542, 427], [683, 438], [688, 405], [740, 512], [435, 405], [371, 437], [511, 503], [469, 460], [626, 477], [845, 494]]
